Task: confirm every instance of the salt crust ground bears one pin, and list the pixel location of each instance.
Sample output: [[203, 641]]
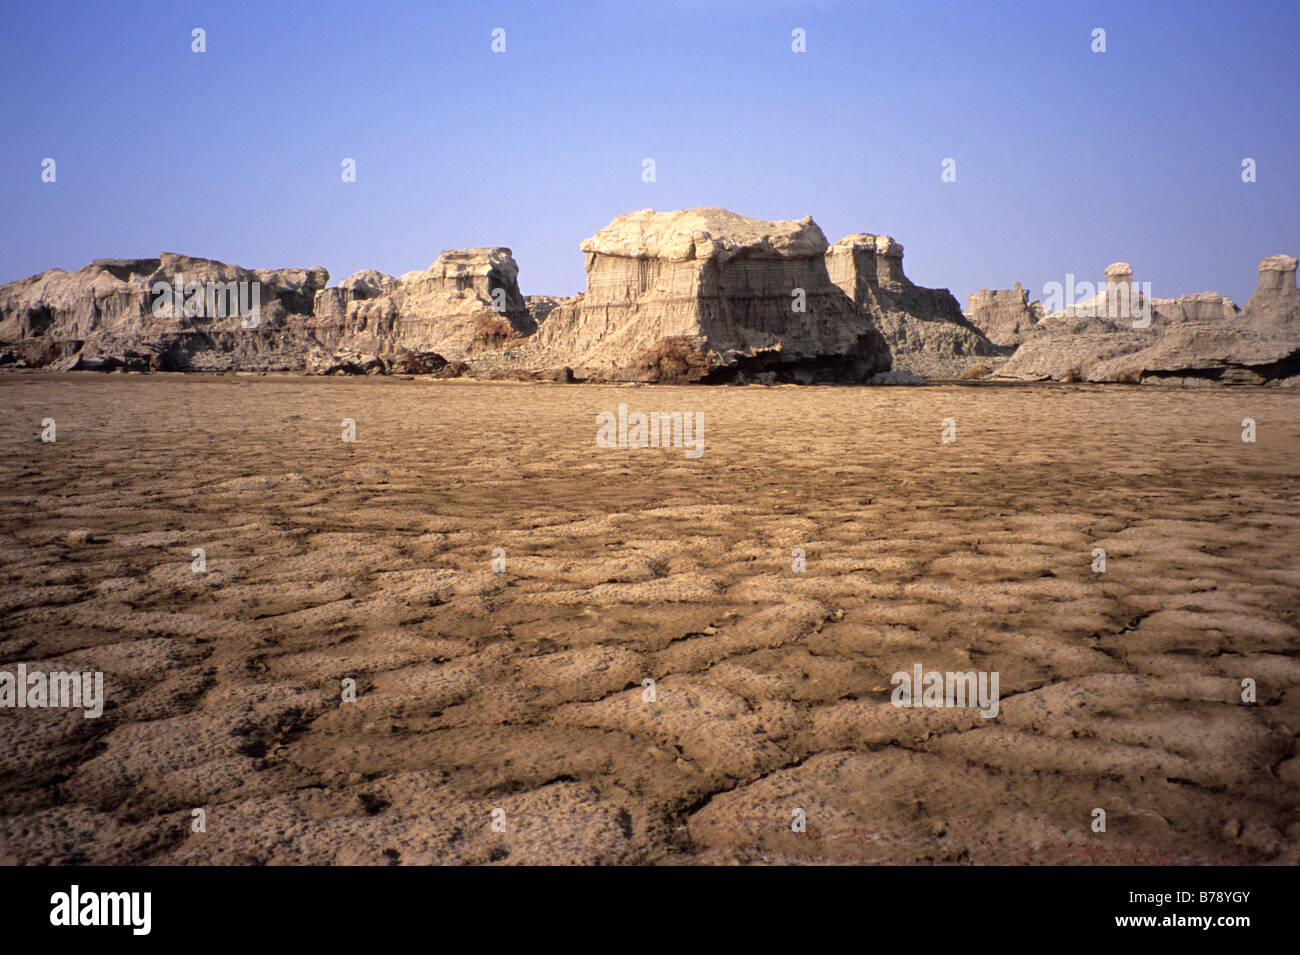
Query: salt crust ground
[[522, 691]]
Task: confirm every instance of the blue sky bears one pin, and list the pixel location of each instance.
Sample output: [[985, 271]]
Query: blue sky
[[1066, 159]]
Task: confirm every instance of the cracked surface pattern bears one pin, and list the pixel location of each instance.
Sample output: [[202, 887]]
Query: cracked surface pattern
[[522, 690]]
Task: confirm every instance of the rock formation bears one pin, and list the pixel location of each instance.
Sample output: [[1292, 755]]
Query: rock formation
[[707, 295], [862, 261], [539, 306], [1079, 339], [1201, 307], [1005, 316], [1192, 339], [172, 312], [696, 295], [466, 302], [1260, 344], [330, 308], [112, 314], [1119, 302], [925, 329]]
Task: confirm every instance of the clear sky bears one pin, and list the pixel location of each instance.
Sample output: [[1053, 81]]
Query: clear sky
[[1066, 159]]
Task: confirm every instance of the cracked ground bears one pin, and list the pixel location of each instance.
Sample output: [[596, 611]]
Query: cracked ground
[[523, 691]]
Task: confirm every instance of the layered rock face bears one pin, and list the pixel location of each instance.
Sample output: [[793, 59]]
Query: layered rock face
[[1121, 304], [1192, 339], [173, 312], [925, 329], [696, 295], [1005, 316], [539, 306], [117, 313], [1276, 288], [707, 295], [1260, 344], [1077, 341], [465, 303], [330, 308], [863, 261]]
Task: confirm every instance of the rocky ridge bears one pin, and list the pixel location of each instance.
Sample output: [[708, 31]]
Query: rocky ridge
[[925, 329], [1188, 340], [698, 295]]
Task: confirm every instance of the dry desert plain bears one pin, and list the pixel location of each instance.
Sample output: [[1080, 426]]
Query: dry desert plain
[[523, 690]]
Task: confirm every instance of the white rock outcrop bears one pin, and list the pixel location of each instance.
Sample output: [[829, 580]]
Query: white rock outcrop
[[707, 295]]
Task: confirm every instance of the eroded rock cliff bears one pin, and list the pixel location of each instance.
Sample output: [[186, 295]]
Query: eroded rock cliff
[[925, 329], [707, 295], [695, 295], [465, 303], [1191, 339], [173, 312], [179, 312], [1005, 316]]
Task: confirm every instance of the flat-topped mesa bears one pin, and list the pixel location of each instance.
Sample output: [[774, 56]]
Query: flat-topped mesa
[[1276, 273], [925, 329], [1201, 307], [465, 303], [704, 233], [863, 260], [705, 294]]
